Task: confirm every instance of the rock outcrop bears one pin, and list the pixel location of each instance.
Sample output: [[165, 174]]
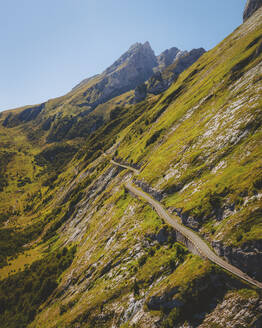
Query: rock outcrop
[[234, 311], [246, 258], [136, 66], [186, 59], [146, 188], [86, 252], [132, 69], [167, 57], [157, 84], [130, 72], [140, 56], [250, 8], [140, 93], [161, 81]]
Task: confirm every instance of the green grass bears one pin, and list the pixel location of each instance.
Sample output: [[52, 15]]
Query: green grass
[[49, 174], [175, 139], [24, 292]]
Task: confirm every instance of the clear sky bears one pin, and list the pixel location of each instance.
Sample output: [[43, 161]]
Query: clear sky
[[48, 46]]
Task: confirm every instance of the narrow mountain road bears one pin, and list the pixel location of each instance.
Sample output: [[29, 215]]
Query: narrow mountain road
[[199, 244], [130, 168]]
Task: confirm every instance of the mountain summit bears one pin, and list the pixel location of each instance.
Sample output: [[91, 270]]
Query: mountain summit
[[86, 108], [133, 68], [106, 202], [167, 57], [129, 72], [140, 57]]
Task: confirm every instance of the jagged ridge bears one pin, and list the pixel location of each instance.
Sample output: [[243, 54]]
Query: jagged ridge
[[198, 147]]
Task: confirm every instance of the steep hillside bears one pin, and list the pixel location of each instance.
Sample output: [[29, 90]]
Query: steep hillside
[[201, 146], [79, 249]]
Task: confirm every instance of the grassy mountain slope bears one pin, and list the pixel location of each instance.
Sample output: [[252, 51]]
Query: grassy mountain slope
[[78, 250], [203, 152]]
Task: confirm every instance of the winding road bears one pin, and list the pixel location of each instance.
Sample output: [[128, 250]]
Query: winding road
[[199, 244], [130, 168]]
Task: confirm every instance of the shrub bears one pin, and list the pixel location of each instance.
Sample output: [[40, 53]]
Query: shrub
[[154, 137], [23, 292], [136, 288], [12, 241], [142, 260]]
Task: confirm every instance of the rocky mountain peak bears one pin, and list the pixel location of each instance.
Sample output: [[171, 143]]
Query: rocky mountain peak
[[136, 66], [133, 68], [87, 194], [139, 45], [165, 75], [138, 54], [167, 57], [251, 7]]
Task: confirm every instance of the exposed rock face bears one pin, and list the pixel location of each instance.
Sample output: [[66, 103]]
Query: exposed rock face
[[166, 301], [234, 312], [140, 56], [251, 7], [167, 57], [156, 84], [161, 81], [145, 187], [129, 72], [132, 69], [247, 258], [198, 149], [140, 92], [85, 81], [186, 59]]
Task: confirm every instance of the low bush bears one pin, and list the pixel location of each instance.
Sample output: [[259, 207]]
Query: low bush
[[12, 241], [22, 293]]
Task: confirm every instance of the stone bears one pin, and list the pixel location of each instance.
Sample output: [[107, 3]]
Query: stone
[[132, 69], [162, 80], [166, 301], [140, 93], [250, 8], [247, 258], [156, 84], [167, 57], [187, 59]]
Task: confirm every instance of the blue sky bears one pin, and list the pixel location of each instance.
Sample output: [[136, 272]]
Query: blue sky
[[49, 46]]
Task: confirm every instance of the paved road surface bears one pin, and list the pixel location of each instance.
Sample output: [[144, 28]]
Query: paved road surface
[[125, 166], [200, 245]]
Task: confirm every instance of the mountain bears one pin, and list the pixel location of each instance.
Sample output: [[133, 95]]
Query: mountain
[[88, 106], [138, 213], [161, 81], [131, 69], [251, 7], [167, 57]]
